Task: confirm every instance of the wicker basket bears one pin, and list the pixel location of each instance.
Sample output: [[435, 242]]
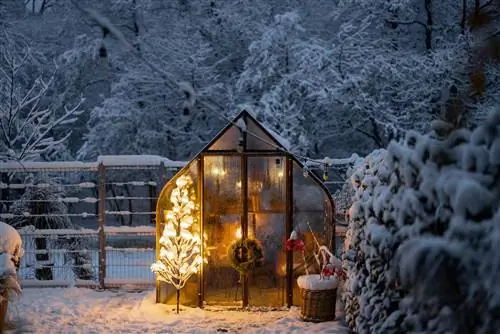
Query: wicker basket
[[319, 296], [318, 305]]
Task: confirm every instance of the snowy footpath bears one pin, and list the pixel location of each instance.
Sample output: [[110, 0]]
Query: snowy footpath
[[79, 310]]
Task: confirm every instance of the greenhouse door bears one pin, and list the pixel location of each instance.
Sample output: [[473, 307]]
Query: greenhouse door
[[222, 211], [260, 181], [266, 224]]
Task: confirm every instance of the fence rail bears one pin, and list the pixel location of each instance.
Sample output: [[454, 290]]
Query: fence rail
[[73, 257]]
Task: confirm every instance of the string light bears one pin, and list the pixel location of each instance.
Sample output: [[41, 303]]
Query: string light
[[325, 173], [180, 243]]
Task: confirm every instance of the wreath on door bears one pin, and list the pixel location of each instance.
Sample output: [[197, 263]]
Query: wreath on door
[[254, 255]]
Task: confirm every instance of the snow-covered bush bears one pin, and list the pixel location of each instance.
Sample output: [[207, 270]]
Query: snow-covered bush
[[422, 234], [363, 181], [11, 243], [9, 283], [41, 208], [11, 251]]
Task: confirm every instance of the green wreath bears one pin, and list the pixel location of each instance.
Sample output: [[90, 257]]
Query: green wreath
[[253, 252]]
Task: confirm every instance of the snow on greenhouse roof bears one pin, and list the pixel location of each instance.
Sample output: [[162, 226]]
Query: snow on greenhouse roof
[[283, 142]]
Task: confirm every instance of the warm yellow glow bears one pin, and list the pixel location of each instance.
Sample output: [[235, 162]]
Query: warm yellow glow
[[180, 242], [238, 184], [168, 215], [238, 233], [280, 174], [218, 171]]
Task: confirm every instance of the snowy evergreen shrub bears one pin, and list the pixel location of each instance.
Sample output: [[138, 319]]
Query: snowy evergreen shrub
[[423, 232], [363, 180], [42, 208]]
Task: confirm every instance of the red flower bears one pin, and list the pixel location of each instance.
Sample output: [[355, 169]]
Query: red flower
[[299, 245], [327, 271], [294, 245]]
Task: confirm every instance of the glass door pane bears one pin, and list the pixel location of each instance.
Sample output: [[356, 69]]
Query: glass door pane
[[222, 223], [266, 223]]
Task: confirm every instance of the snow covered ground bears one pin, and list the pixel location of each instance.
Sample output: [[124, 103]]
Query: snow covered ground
[[79, 310]]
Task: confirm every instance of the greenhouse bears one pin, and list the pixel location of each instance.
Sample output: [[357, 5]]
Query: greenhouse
[[247, 186]]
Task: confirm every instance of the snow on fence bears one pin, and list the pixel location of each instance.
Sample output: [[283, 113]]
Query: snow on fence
[[74, 257], [113, 190]]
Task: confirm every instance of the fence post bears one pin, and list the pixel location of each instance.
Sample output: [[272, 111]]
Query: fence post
[[101, 171]]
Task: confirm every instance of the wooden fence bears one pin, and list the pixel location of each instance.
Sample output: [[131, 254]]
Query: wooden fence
[[76, 257], [109, 209], [107, 215]]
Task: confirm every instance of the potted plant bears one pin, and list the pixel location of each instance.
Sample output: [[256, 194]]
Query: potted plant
[[318, 291]]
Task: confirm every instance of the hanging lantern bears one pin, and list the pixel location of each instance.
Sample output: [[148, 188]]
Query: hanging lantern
[[325, 173], [305, 172], [240, 146]]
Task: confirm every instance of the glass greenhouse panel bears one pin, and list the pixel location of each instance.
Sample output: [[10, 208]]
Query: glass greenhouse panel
[[258, 139], [166, 292], [312, 219], [266, 224], [228, 140], [222, 225]]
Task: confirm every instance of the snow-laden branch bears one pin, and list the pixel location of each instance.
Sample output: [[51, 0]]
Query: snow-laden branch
[[28, 121]]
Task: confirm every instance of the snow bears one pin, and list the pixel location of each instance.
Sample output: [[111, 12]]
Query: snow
[[282, 141], [6, 266], [31, 231], [315, 282], [22, 166], [138, 160], [130, 229], [66, 310], [86, 231], [354, 159], [10, 239], [106, 160], [9, 282]]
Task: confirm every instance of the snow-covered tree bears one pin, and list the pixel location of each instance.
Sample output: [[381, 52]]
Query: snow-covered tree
[[28, 123], [180, 242], [156, 102], [421, 257], [358, 66]]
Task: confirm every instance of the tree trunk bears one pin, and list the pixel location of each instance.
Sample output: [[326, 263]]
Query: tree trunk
[[178, 299], [429, 24], [4, 194], [464, 15]]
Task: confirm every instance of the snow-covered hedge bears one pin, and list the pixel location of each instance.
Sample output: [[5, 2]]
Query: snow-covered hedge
[[11, 251], [11, 243], [423, 234]]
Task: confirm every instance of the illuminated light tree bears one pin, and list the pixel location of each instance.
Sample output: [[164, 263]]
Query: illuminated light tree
[[180, 243]]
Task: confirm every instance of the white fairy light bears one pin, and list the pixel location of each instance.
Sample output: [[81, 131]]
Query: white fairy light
[[180, 243]]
